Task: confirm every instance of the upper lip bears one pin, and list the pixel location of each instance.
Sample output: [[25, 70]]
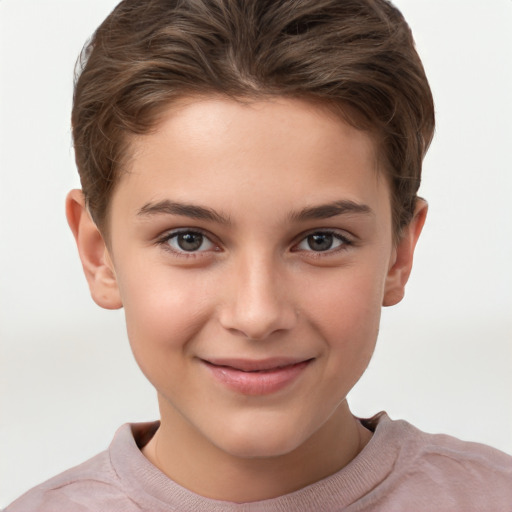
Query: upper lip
[[248, 365]]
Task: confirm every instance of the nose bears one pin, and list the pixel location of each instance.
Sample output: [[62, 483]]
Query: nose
[[258, 303]]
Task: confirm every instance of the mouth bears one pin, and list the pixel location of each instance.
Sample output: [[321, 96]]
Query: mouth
[[253, 377]]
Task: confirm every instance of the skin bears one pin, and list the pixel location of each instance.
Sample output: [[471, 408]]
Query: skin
[[257, 287]]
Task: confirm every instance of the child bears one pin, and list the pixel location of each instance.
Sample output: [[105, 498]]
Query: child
[[249, 175]]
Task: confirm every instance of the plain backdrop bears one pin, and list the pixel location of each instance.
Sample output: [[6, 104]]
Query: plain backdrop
[[444, 358]]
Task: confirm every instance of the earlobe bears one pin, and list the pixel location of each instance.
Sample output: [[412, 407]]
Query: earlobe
[[96, 261], [401, 267]]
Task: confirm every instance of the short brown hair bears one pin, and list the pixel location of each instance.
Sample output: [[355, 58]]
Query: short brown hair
[[348, 53]]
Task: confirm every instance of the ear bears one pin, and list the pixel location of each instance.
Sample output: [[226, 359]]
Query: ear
[[96, 261], [401, 267]]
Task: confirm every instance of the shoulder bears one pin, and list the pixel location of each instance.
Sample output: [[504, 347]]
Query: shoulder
[[450, 455], [90, 486], [439, 470]]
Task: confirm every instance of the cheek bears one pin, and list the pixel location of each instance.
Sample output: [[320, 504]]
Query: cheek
[[346, 313], [347, 301], [164, 309]]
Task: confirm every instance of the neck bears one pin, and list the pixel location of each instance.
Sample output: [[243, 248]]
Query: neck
[[189, 459]]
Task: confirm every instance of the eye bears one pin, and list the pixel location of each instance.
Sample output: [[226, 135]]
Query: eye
[[188, 241], [322, 241]]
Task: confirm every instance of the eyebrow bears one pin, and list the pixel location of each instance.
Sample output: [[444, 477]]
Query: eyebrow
[[325, 211], [192, 211]]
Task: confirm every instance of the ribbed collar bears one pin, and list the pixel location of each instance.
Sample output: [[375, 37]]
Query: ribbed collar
[[153, 490]]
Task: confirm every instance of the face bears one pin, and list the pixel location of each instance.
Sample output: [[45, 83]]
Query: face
[[252, 247]]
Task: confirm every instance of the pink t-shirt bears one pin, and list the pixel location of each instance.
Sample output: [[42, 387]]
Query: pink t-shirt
[[400, 469]]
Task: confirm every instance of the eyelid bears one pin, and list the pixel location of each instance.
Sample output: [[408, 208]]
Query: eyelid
[[163, 240], [346, 239]]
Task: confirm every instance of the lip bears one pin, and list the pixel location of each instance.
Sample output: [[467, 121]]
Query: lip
[[256, 377]]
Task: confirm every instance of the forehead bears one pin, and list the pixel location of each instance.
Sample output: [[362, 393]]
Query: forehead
[[218, 150]]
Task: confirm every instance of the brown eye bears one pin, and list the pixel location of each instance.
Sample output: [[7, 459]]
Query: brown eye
[[323, 241], [189, 241], [320, 241]]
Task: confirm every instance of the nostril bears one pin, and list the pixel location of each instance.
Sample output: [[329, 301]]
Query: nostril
[[258, 305], [258, 327]]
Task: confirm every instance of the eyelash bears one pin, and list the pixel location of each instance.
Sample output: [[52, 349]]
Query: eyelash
[[164, 242], [346, 242]]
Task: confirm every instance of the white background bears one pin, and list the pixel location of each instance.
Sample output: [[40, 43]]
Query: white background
[[444, 360]]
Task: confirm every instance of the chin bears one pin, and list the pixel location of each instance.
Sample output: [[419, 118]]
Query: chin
[[260, 441]]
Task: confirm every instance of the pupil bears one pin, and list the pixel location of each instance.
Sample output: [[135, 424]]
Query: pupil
[[190, 241], [320, 242]]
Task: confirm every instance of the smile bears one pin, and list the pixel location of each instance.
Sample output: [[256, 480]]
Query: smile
[[256, 377]]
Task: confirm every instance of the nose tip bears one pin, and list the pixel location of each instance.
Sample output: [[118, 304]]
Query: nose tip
[[258, 307], [256, 326]]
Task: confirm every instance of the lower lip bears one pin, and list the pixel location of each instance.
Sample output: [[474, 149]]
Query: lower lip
[[257, 383]]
